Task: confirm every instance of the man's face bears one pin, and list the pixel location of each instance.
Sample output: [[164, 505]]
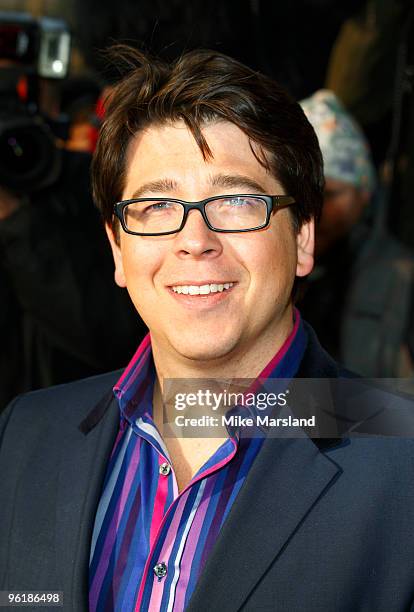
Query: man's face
[[260, 266]]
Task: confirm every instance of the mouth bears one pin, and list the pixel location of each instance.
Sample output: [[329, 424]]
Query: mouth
[[196, 295], [205, 289]]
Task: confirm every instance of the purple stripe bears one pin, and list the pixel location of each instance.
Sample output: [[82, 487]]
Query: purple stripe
[[191, 545], [128, 535], [230, 480]]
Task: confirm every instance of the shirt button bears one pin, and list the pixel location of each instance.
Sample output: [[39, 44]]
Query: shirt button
[[165, 469], [160, 570]]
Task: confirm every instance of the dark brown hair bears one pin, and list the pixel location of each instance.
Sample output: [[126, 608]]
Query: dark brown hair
[[200, 87]]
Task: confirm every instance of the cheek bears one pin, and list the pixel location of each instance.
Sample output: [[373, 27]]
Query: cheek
[[282, 251], [140, 263], [272, 263]]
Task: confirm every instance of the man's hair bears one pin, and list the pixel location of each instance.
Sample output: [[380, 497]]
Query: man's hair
[[203, 87]]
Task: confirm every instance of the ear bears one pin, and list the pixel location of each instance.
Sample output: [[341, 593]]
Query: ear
[[117, 255], [305, 241]]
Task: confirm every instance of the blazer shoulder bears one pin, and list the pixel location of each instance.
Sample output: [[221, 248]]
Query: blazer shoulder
[[317, 363], [70, 402]]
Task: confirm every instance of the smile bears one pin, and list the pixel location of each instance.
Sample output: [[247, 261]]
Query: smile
[[202, 289]]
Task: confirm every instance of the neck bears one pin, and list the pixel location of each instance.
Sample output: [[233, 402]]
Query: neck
[[242, 362]]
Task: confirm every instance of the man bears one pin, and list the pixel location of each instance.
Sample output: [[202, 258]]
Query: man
[[350, 183], [361, 289], [209, 178]]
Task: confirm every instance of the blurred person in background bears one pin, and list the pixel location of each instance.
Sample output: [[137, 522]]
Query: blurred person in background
[[360, 292]]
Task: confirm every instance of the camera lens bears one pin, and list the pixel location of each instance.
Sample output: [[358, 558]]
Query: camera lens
[[28, 156], [18, 150]]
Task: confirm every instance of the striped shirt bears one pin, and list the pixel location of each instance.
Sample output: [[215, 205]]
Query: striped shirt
[[150, 543]]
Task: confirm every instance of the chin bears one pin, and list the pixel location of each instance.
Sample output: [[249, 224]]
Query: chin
[[204, 349]]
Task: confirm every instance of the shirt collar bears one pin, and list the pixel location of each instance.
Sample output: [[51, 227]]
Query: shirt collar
[[134, 390], [286, 361]]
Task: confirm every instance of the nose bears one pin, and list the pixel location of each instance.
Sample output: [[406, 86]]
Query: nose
[[196, 239]]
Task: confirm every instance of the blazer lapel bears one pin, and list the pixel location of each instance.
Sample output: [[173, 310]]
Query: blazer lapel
[[282, 488], [84, 455]]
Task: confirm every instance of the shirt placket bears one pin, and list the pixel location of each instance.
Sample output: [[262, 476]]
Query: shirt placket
[[156, 568]]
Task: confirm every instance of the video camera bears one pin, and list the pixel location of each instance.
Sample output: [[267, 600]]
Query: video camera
[[29, 48]]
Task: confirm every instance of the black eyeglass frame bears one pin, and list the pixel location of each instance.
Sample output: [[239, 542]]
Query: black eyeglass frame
[[273, 202]]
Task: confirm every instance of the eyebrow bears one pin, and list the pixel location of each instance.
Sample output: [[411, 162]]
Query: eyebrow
[[159, 186], [236, 180], [224, 181]]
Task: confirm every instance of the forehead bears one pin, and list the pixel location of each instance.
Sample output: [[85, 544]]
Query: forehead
[[169, 151]]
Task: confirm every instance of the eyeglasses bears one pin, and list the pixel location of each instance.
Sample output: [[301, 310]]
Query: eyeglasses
[[226, 213]]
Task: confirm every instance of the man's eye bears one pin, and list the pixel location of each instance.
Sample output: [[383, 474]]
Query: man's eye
[[239, 202], [158, 206]]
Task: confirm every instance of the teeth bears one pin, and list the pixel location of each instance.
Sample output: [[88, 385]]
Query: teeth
[[201, 290]]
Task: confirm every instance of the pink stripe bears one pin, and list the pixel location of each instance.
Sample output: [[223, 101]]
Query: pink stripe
[[284, 348], [175, 523], [159, 502], [190, 548], [137, 371], [138, 353], [165, 554]]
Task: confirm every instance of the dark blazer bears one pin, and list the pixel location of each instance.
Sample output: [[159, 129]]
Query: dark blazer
[[319, 526]]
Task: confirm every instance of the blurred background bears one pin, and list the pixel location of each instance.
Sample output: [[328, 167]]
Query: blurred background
[[350, 64]]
